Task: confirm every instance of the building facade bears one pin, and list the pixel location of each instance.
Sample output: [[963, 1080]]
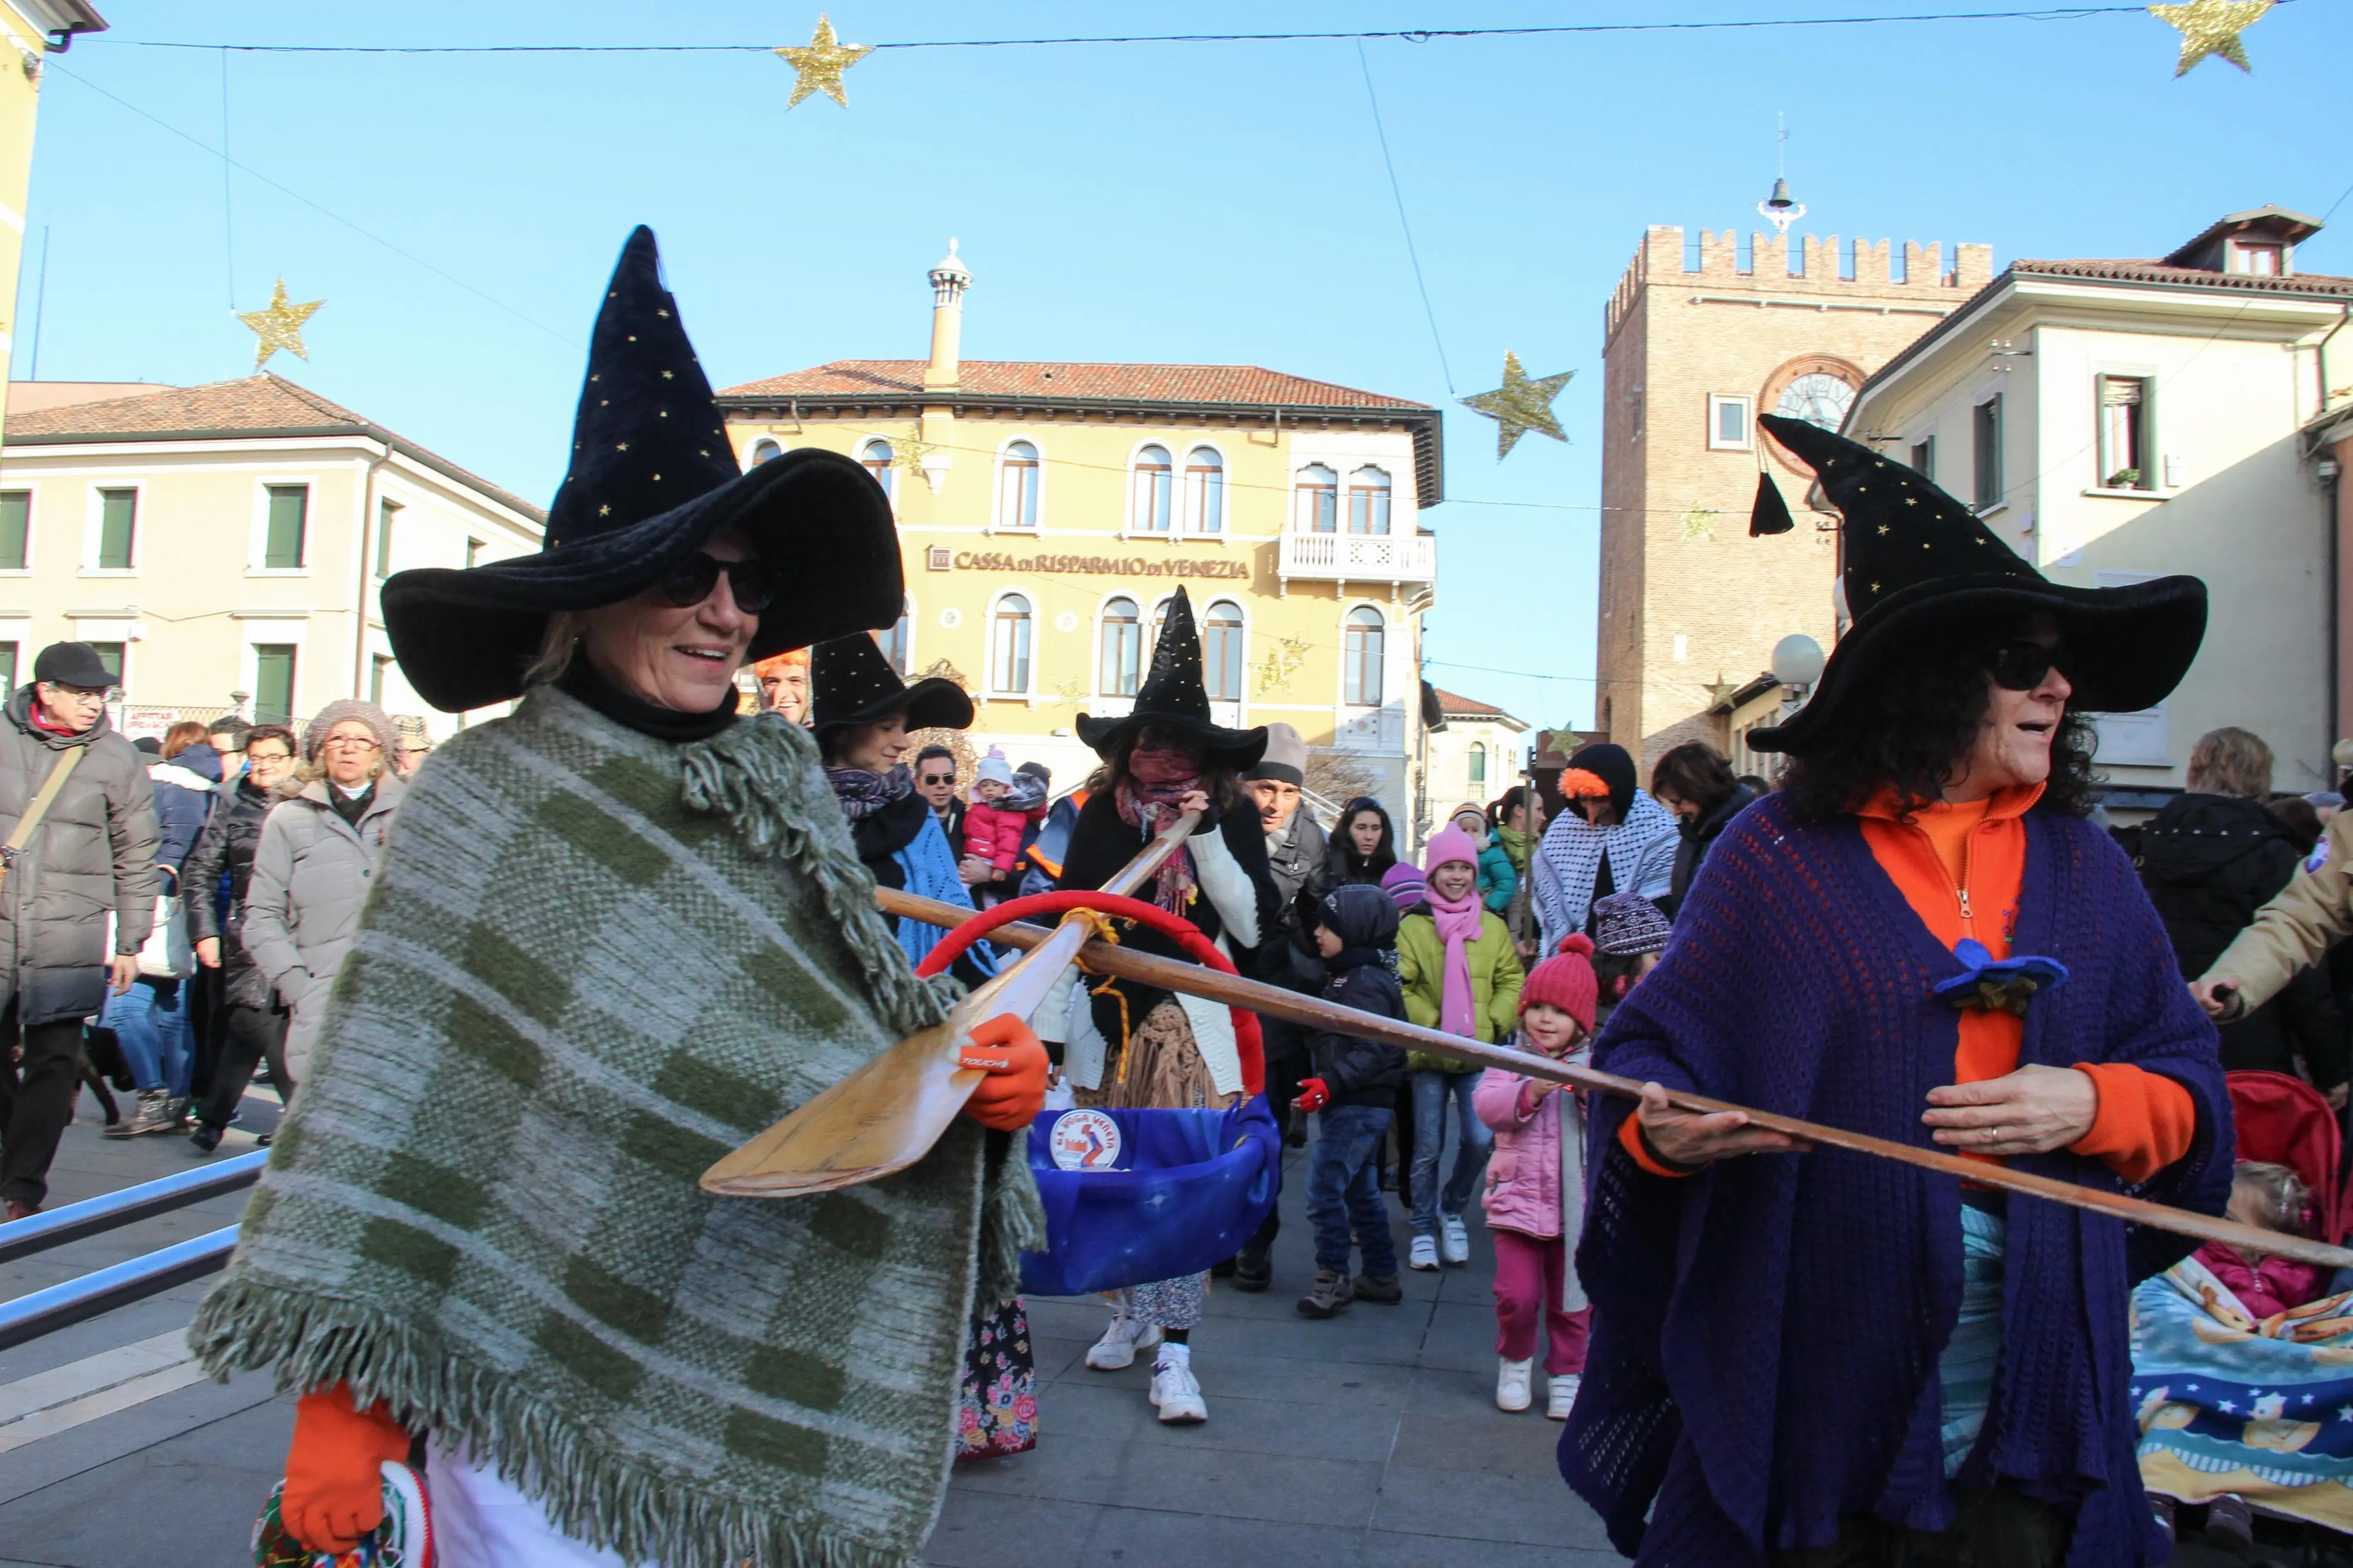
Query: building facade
[[1699, 338], [31, 28], [1477, 755], [1047, 513], [2117, 420], [223, 546]]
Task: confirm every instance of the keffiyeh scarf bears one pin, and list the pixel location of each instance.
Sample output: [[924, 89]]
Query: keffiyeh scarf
[[1569, 859]]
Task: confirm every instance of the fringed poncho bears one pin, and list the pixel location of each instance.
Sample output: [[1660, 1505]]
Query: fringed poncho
[[592, 964], [1766, 1331]]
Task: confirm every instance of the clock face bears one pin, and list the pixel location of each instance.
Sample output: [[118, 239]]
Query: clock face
[[1818, 398]]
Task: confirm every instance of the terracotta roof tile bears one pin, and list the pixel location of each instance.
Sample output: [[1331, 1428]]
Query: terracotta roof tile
[[1469, 707], [1240, 384], [254, 406], [2140, 271]]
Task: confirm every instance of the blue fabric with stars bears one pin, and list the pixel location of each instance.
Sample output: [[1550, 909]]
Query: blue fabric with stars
[[2225, 1410]]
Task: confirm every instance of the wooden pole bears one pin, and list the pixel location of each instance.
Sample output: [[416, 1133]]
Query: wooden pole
[[887, 1115], [1313, 1012]]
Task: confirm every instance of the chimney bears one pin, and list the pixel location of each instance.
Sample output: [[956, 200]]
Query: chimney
[[949, 280]]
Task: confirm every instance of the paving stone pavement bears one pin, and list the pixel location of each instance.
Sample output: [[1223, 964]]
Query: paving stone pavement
[[1369, 1441]]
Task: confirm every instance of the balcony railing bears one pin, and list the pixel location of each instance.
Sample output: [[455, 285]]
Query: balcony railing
[[1393, 558]]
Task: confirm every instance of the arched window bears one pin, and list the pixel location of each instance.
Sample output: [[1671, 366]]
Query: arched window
[[1009, 653], [1153, 485], [1123, 649], [1369, 501], [1205, 491], [1016, 487], [894, 641], [875, 458], [765, 450], [1478, 763], [1221, 651], [1362, 658], [1318, 505]]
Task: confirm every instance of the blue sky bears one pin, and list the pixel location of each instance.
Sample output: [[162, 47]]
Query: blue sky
[[1202, 202]]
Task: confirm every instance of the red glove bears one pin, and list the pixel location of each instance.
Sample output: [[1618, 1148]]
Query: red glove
[[1015, 1060], [1314, 1094], [334, 1470]]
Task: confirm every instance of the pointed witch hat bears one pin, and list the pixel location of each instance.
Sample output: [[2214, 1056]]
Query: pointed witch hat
[[1174, 697], [1920, 567], [852, 683], [652, 480]]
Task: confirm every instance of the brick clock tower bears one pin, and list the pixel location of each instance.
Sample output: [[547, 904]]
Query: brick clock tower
[[1695, 348]]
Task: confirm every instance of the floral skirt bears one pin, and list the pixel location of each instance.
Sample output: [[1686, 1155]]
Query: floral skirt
[[997, 1410]]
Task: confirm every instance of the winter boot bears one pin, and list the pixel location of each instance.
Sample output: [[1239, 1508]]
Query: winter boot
[[1383, 1289], [207, 1137], [2229, 1523], [1253, 1270], [1331, 1294], [154, 1115]]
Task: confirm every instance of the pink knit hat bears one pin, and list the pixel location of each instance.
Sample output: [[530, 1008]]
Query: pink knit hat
[[1448, 843], [1566, 981]]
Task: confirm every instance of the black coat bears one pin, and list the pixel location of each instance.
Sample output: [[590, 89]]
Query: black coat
[[1296, 860], [2209, 862], [1344, 865], [225, 847], [1700, 837], [1363, 975]]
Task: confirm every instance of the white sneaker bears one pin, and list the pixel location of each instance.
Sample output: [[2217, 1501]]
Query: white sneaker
[[1177, 1393], [1121, 1341], [1512, 1385], [1423, 1255], [1562, 1396], [1454, 1242]]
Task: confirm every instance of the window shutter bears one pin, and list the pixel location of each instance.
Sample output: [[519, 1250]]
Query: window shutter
[[289, 506]]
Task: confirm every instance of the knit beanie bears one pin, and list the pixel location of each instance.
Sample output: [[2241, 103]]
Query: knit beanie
[[1627, 925], [1405, 884], [1448, 843], [314, 734], [1566, 981], [994, 768]]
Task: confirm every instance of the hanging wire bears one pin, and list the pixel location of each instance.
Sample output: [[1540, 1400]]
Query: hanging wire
[[228, 208], [1412, 254]]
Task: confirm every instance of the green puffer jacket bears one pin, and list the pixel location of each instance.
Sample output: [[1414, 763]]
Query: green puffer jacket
[[1495, 979]]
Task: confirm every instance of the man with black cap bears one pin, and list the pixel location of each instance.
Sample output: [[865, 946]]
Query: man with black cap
[[1295, 854], [77, 820]]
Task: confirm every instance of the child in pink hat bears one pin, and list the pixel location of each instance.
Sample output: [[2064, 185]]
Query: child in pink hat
[[1535, 1187]]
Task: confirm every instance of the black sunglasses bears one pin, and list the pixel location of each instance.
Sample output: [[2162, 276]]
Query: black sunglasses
[[2021, 666], [691, 581]]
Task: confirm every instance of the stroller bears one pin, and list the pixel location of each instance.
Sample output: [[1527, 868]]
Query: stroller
[[2259, 1410]]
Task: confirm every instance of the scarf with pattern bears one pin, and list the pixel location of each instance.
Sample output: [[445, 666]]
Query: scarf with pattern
[[862, 792], [1157, 778]]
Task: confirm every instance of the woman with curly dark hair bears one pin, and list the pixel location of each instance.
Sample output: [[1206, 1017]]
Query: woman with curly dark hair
[[1808, 1357]]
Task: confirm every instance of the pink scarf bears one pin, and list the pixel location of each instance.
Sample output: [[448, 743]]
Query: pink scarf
[[1156, 780], [1458, 924]]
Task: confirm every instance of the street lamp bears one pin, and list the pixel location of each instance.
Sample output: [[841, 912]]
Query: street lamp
[[1798, 663]]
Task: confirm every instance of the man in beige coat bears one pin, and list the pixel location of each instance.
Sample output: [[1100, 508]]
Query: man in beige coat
[[2296, 929]]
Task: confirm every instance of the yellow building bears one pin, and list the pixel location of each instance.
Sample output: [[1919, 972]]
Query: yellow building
[[31, 29], [1047, 511]]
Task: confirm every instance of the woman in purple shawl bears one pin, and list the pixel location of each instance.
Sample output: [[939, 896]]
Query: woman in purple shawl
[[1816, 1358]]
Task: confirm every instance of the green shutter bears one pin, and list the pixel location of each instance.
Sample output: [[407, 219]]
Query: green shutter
[[273, 682], [289, 507], [8, 667], [117, 515], [109, 654], [16, 528]]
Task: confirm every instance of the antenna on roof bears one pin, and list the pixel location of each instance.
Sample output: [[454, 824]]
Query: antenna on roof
[[1780, 209]]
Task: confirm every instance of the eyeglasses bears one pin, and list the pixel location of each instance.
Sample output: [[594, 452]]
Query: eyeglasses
[[256, 759], [939, 778], [2021, 666], [349, 743], [691, 581]]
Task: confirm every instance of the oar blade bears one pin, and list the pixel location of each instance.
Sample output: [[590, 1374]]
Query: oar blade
[[882, 1118]]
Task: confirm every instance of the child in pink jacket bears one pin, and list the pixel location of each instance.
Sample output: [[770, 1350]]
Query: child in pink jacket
[[995, 821], [1535, 1187]]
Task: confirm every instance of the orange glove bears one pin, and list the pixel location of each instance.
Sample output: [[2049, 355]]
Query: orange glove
[[334, 1475], [1015, 1060]]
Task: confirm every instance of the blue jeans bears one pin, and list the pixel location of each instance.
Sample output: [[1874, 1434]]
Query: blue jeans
[[1431, 1092], [152, 1021], [1344, 1188]]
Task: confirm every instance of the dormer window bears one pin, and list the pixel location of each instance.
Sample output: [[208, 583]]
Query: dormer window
[[2256, 260]]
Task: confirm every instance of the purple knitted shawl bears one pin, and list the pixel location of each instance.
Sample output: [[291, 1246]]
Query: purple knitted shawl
[[1766, 1332]]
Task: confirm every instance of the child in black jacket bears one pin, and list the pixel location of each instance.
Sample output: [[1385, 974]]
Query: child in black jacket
[[1355, 1089]]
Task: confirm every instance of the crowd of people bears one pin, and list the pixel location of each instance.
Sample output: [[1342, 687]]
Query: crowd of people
[[518, 1001]]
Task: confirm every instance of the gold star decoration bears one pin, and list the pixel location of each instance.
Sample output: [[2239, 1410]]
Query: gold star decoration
[[1719, 693], [279, 327], [2211, 27], [1521, 405], [908, 451], [819, 65]]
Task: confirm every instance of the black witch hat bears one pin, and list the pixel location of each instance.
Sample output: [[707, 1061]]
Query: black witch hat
[[1919, 566], [652, 480], [1174, 697], [852, 683]]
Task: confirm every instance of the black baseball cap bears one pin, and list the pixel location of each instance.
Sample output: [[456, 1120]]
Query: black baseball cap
[[73, 664]]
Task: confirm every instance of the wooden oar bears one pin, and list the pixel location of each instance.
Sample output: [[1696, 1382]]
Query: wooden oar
[[887, 1115], [1173, 974]]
